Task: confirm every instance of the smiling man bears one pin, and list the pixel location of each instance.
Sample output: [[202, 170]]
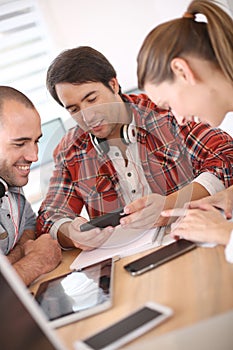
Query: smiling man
[[20, 131]]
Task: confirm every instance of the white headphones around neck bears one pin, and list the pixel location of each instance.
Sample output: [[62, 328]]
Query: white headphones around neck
[[3, 187], [128, 135]]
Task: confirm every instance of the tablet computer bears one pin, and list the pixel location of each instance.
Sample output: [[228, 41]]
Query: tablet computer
[[77, 294]]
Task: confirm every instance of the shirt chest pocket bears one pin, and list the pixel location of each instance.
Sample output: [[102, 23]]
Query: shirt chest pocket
[[97, 185], [166, 155]]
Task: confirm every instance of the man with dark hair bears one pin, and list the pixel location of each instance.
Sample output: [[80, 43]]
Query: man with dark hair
[[124, 147], [20, 131]]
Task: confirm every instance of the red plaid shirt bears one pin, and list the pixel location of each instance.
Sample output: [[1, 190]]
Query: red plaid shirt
[[171, 156]]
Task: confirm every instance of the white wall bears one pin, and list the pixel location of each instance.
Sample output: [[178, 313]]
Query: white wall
[[116, 28]]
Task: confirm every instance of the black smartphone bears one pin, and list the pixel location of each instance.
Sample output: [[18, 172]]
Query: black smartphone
[[127, 329], [109, 219], [159, 257]]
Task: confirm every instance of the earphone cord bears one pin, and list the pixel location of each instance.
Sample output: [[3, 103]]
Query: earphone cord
[[12, 216]]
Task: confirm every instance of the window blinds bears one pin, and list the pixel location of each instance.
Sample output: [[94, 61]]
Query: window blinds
[[24, 50]]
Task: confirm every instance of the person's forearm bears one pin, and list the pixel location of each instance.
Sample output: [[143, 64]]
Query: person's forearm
[[63, 236], [16, 254], [225, 237], [191, 192], [178, 199], [230, 189], [27, 234]]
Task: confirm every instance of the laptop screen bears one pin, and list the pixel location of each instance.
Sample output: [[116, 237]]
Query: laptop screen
[[20, 323]]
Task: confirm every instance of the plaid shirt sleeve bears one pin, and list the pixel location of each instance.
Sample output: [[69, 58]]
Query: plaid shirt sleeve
[[180, 153], [171, 160], [79, 178], [211, 150]]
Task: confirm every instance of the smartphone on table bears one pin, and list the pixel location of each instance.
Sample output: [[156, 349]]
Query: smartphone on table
[[159, 257], [126, 329]]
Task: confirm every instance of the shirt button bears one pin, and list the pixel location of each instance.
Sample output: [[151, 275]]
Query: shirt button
[[129, 174], [117, 154], [8, 215], [133, 191]]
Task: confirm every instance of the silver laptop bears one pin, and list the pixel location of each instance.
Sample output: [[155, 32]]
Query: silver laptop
[[23, 324]]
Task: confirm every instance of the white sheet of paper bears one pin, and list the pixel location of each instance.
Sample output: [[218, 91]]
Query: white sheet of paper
[[120, 245]]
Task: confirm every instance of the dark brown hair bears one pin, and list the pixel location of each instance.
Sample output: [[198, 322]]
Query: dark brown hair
[[77, 66]]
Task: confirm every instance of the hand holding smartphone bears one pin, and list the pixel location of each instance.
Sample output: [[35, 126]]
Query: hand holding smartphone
[[126, 329], [109, 219]]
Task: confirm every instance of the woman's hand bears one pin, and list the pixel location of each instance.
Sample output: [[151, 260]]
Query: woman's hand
[[222, 200], [199, 225]]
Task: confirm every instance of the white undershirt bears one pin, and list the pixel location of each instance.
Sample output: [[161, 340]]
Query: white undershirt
[[131, 177]]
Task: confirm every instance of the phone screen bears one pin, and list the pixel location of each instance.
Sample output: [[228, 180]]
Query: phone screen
[[128, 328], [122, 328], [160, 256]]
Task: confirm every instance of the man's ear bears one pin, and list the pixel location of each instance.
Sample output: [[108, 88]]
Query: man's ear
[[182, 70], [113, 83]]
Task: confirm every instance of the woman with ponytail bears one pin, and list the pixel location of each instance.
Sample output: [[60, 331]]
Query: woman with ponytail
[[186, 64]]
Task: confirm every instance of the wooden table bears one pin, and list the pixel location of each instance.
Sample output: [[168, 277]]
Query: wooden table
[[196, 286]]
